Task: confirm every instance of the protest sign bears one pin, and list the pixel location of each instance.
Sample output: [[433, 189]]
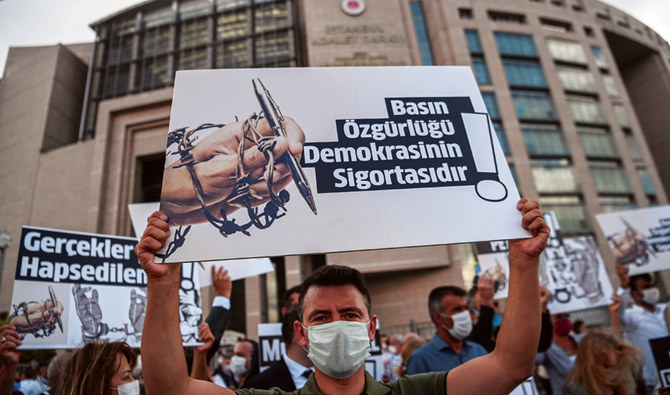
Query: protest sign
[[494, 262], [378, 157], [573, 271], [661, 349], [71, 288], [639, 239], [237, 268], [271, 346]]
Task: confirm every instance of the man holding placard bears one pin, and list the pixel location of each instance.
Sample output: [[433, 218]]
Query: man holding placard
[[329, 305]]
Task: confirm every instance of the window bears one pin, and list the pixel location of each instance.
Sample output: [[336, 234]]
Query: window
[[586, 110], [533, 105], [120, 49], [544, 140], [193, 9], [599, 57], [633, 147], [480, 70], [272, 48], [232, 25], [506, 17], [566, 51], [193, 33], [597, 142], [609, 177], [491, 104], [155, 72], [620, 113], [524, 73], [474, 44], [156, 41], [233, 54], [117, 80], [502, 138], [271, 16], [576, 80], [421, 34], [570, 213], [610, 85], [223, 5], [193, 60], [610, 204], [554, 176], [515, 44], [588, 31], [464, 13], [646, 181], [555, 26]]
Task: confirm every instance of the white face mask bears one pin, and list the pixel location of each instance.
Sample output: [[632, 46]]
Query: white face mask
[[219, 361], [339, 348], [651, 295], [462, 325], [132, 388], [238, 365]]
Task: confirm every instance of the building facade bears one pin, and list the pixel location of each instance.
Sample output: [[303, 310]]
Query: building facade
[[576, 90]]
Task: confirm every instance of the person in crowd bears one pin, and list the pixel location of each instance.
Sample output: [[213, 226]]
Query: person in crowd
[[57, 367], [483, 313], [222, 375], [409, 336], [449, 312], [242, 362], [559, 358], [29, 385], [200, 368], [293, 369], [100, 369], [579, 327], [217, 319], [290, 299], [335, 315], [605, 365], [644, 320], [9, 357], [407, 350]]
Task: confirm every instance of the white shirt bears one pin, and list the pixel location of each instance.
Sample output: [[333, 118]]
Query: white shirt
[[296, 370], [640, 325], [221, 301]]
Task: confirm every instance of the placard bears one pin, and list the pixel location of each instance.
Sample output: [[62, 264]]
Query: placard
[[72, 288], [661, 349], [493, 260], [356, 159], [639, 239]]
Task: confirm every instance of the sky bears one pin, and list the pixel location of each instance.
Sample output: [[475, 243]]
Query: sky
[[48, 22]]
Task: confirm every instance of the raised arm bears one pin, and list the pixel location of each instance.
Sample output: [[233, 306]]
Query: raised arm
[[163, 358], [512, 361]]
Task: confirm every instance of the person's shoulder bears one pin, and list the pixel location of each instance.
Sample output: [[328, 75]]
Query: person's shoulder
[[421, 383]]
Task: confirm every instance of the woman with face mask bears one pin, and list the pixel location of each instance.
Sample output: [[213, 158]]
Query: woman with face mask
[[99, 369], [605, 365]]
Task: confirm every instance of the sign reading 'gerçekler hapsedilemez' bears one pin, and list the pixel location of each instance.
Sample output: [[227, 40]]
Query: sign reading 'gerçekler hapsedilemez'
[[265, 162]]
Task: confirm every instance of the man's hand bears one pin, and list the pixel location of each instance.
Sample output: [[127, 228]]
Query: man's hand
[[521, 250], [206, 337], [9, 341], [616, 304], [155, 234], [223, 284], [485, 292], [216, 160], [622, 273]]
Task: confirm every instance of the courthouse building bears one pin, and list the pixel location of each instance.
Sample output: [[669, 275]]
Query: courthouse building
[[578, 91]]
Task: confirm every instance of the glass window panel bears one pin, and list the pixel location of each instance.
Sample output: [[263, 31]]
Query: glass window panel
[[570, 213], [421, 34], [156, 41], [191, 60], [577, 80], [121, 49], [155, 72], [474, 44], [609, 177], [554, 176], [586, 110], [502, 138], [157, 18], [271, 17], [633, 147], [481, 71], [533, 105], [223, 5], [598, 142], [544, 140], [621, 115], [272, 48], [610, 85], [524, 73], [233, 54], [491, 104], [515, 44], [232, 25], [193, 9], [610, 204], [599, 57], [646, 181], [193, 33], [117, 81], [566, 51]]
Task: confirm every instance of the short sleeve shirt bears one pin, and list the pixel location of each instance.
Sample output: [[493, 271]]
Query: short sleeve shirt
[[427, 383]]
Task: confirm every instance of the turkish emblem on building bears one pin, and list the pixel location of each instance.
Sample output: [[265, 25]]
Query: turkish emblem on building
[[353, 7]]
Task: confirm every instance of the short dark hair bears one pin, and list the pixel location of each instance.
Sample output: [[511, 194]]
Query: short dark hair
[[286, 298], [333, 276], [435, 299], [287, 329], [633, 280]]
